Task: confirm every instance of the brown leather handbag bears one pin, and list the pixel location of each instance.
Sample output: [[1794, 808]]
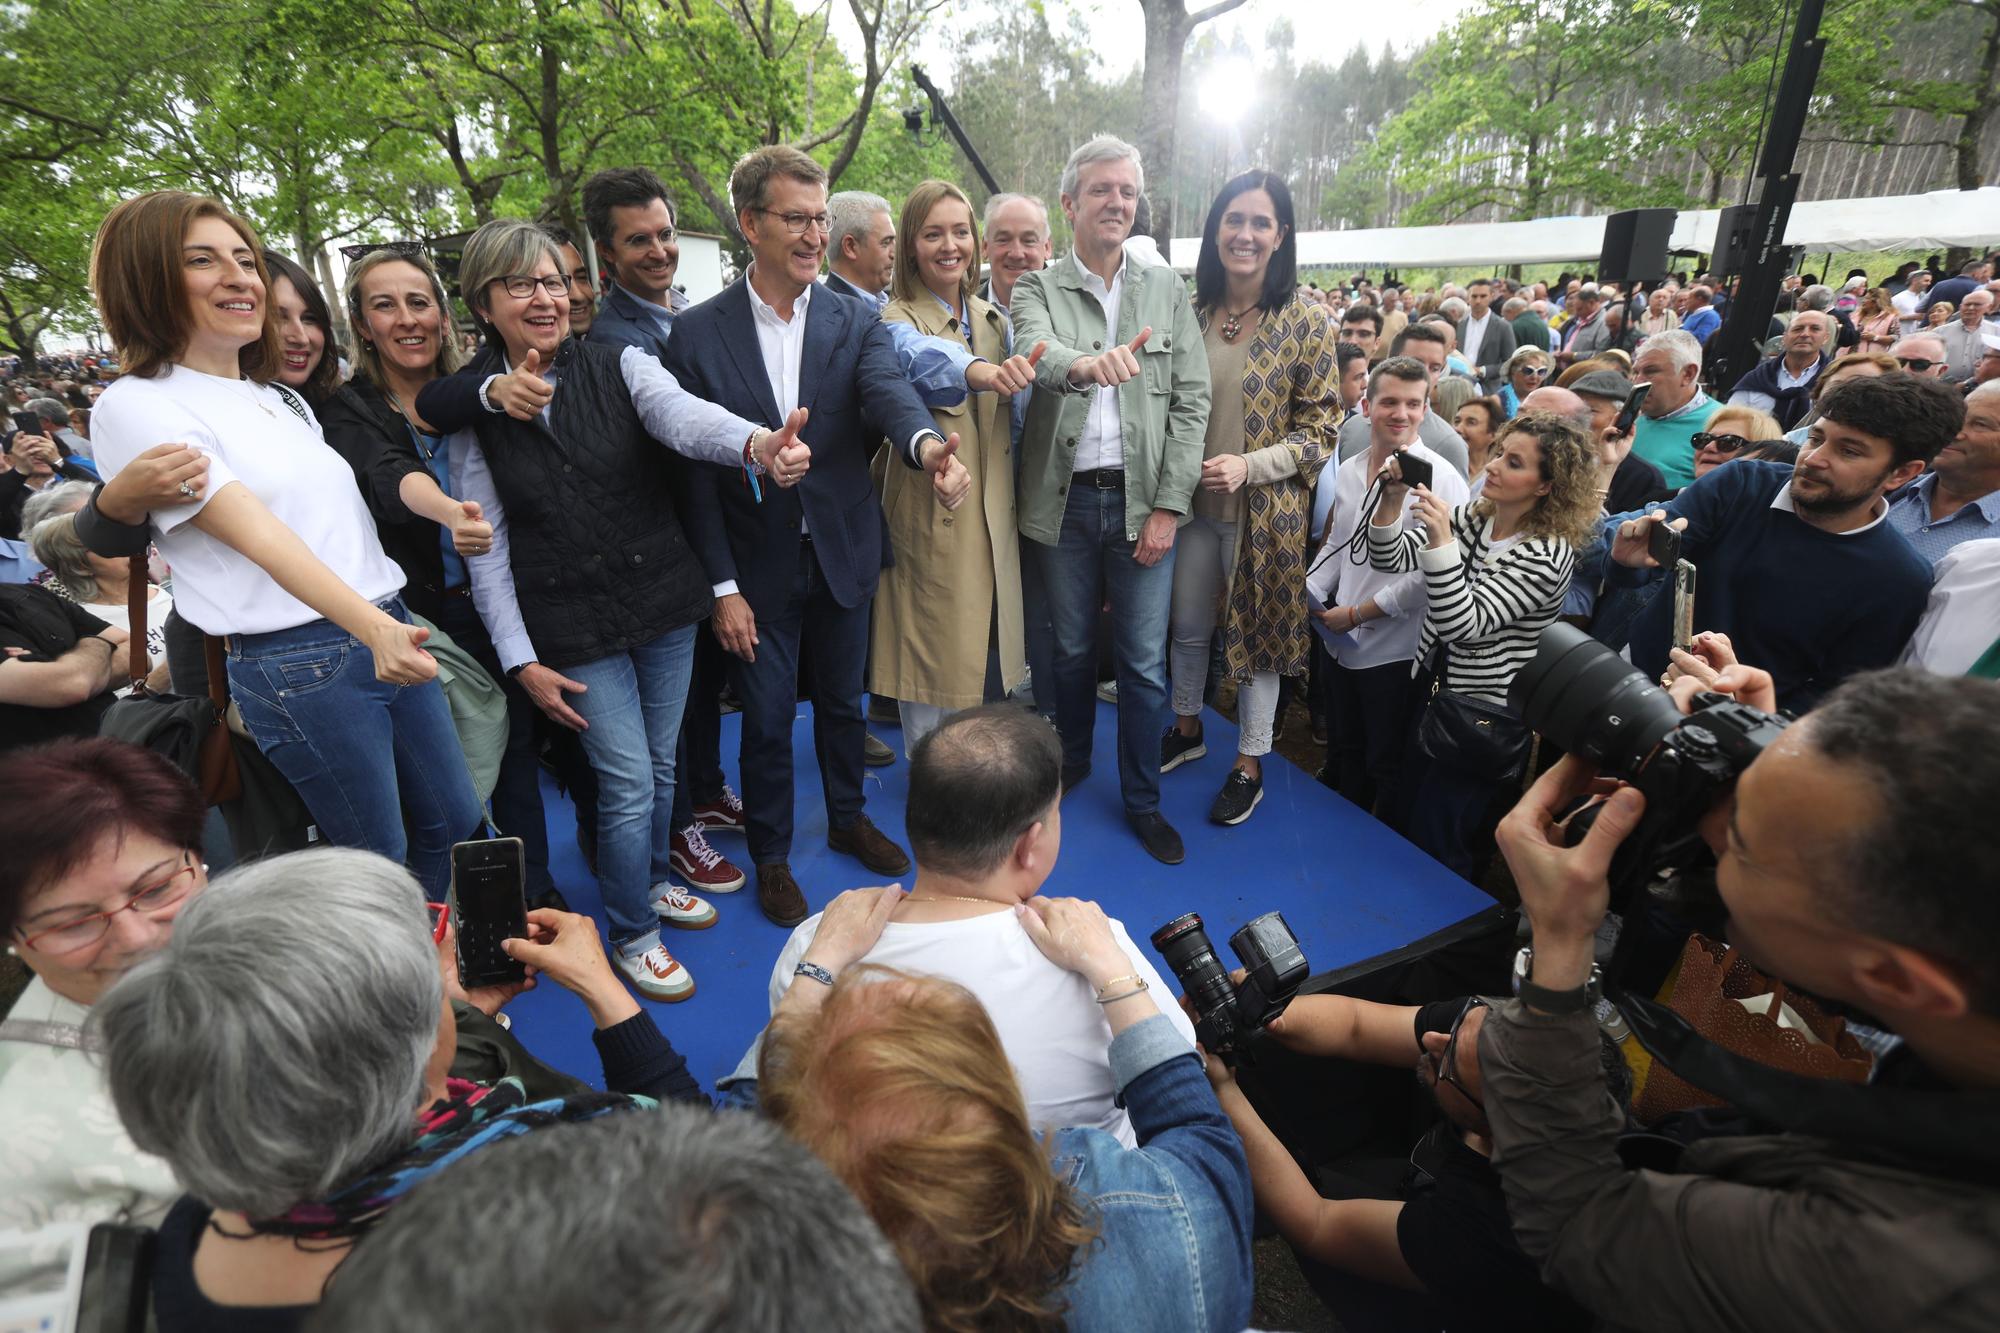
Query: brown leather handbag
[[1713, 979]]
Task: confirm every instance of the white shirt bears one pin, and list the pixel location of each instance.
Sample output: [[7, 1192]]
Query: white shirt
[[782, 343], [1783, 500], [1962, 618], [158, 602], [66, 1157], [1335, 580], [1050, 1024], [1906, 303], [251, 436], [1102, 444], [1475, 334]]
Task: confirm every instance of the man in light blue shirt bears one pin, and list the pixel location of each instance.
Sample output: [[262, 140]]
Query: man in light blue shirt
[[1958, 500]]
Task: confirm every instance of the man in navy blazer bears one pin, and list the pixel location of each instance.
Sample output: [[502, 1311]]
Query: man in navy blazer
[[797, 568]]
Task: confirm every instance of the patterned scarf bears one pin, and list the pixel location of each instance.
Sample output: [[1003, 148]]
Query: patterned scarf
[[470, 1117]]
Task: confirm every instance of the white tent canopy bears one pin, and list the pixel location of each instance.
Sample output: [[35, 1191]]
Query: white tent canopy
[[1934, 221]]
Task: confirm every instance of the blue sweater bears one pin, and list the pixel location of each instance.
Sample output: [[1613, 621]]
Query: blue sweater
[[1810, 607]]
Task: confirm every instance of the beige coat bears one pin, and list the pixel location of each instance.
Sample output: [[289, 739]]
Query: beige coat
[[957, 577]]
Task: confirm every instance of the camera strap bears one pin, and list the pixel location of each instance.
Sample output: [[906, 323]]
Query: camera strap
[[1916, 1128]]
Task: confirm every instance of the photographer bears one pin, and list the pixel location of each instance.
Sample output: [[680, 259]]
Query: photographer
[[1843, 863], [1419, 1241]]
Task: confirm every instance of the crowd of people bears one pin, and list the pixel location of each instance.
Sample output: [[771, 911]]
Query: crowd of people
[[912, 455]]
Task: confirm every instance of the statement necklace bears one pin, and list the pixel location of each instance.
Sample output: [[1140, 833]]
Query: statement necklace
[[1232, 324]]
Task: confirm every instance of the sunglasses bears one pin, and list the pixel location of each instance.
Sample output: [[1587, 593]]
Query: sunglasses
[[1918, 363], [1724, 444], [1444, 1065], [1537, 371]]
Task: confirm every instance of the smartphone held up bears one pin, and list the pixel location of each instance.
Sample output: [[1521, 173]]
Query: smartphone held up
[[489, 881]]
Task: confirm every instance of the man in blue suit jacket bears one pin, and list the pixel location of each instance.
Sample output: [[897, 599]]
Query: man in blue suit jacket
[[797, 568]]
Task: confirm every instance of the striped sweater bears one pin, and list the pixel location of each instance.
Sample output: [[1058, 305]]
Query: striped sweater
[[1490, 607]]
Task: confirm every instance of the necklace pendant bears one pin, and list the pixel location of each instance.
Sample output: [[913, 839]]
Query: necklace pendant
[[1230, 328]]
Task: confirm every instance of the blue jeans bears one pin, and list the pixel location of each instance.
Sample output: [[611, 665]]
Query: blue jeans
[[1090, 562], [378, 765], [633, 705]]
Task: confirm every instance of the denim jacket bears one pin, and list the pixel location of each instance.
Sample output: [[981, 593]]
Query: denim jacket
[[1173, 1215], [1172, 1253]]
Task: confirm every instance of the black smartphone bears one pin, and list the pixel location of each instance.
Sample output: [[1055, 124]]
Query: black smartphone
[[1630, 412], [28, 422], [489, 903], [1416, 471], [1663, 543]]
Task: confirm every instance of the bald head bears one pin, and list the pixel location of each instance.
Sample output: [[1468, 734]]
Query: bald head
[[1564, 403]]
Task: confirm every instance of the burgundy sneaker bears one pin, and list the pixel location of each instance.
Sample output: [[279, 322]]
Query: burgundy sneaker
[[700, 864], [724, 814]]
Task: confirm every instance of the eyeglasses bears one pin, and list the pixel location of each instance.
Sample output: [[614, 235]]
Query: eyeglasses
[[1444, 1065], [439, 912], [521, 287], [1723, 444], [1920, 364], [1537, 371], [82, 933], [799, 223]]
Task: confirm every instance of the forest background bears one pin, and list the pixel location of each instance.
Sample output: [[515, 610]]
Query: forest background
[[335, 121]]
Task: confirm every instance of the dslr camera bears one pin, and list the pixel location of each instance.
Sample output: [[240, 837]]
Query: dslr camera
[[1594, 704], [1228, 1017]]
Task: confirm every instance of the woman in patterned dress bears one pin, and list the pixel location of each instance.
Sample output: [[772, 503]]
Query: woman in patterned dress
[[1240, 560]]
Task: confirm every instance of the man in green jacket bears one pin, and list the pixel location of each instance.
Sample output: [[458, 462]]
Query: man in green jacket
[[1110, 453]]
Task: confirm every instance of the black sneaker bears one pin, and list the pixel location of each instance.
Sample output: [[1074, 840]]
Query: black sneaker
[[1072, 777], [1238, 797], [1157, 836], [1176, 749]]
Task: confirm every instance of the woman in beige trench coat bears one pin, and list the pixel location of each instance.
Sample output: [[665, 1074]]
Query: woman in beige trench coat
[[947, 631]]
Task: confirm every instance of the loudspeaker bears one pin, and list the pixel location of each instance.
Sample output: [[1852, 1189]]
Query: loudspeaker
[[1635, 245], [1735, 239]]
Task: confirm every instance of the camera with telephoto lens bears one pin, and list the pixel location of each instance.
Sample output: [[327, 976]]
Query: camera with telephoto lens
[[1594, 704], [1229, 1017]]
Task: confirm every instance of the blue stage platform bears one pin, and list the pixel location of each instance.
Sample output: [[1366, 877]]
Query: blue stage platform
[[1349, 887]]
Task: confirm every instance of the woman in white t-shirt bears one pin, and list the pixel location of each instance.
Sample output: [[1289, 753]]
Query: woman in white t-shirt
[[274, 548]]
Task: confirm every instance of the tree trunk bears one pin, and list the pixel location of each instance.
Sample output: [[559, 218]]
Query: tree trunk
[[1986, 99], [1168, 24]]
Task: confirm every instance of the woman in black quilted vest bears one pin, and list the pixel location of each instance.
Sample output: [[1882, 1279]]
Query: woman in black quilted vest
[[591, 591]]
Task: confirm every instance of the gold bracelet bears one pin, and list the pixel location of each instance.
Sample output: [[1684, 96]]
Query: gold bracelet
[[1139, 989]]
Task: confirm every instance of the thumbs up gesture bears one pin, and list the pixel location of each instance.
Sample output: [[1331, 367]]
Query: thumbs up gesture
[[471, 534], [523, 393], [1009, 377], [950, 480], [1111, 368], [781, 453]]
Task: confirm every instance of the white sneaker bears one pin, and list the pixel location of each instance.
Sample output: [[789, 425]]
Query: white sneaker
[[656, 975], [681, 909]]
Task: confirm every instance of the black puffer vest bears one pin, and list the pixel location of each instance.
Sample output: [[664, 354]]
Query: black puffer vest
[[600, 562]]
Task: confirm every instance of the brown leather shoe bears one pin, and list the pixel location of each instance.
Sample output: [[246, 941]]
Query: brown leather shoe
[[778, 894], [868, 845]]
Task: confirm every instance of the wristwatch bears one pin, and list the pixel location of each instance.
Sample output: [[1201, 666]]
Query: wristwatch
[[1553, 1001]]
